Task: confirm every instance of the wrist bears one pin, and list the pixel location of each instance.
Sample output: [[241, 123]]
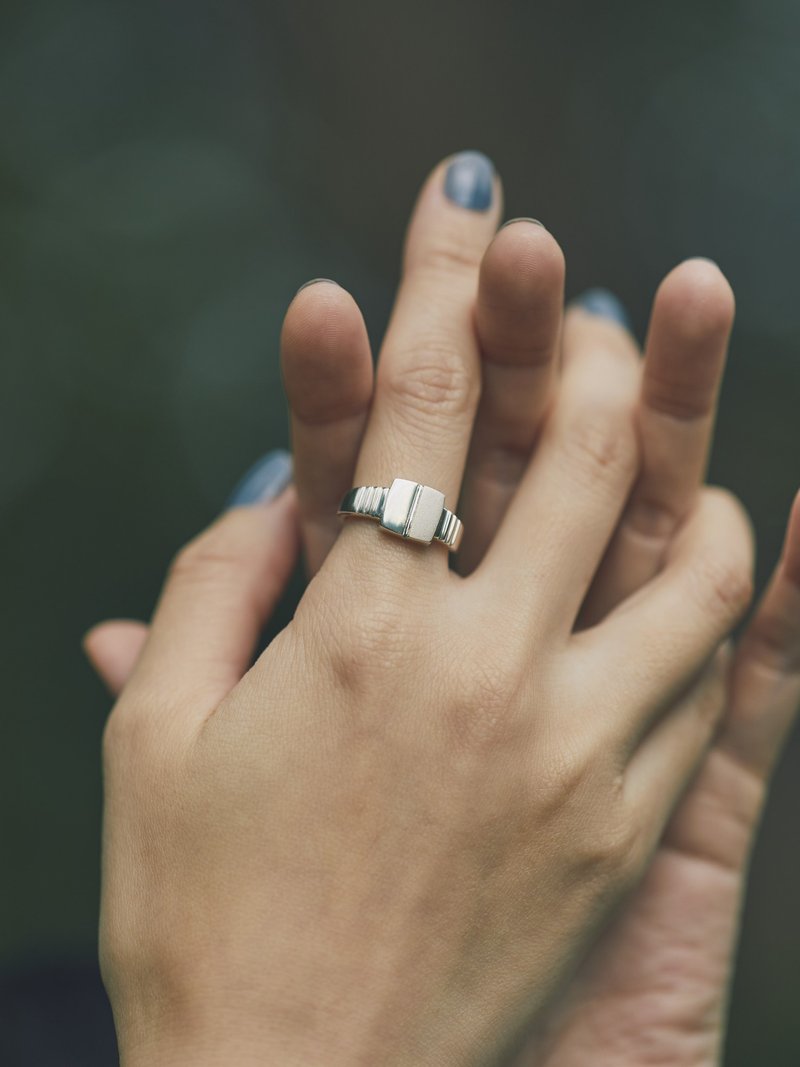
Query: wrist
[[219, 1039], [222, 1050]]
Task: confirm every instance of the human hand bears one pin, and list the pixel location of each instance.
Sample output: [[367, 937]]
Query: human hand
[[235, 826], [683, 920], [655, 988], [681, 924]]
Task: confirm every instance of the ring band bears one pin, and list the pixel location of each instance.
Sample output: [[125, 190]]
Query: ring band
[[407, 509]]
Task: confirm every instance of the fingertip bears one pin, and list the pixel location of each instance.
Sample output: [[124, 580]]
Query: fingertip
[[522, 259], [687, 342], [320, 311], [95, 637], [455, 215], [272, 517], [325, 354], [470, 180], [698, 299], [112, 648], [520, 295], [264, 481], [459, 180]]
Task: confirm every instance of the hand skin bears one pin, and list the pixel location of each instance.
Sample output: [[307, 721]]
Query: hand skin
[[122, 638], [683, 920], [654, 990], [287, 873]]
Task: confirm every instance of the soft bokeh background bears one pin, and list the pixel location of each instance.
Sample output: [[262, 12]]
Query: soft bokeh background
[[171, 172]]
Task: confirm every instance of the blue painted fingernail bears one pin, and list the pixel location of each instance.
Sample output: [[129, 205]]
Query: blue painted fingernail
[[604, 304], [264, 481], [469, 181]]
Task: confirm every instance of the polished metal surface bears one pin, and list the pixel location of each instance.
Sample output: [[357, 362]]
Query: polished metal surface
[[406, 509]]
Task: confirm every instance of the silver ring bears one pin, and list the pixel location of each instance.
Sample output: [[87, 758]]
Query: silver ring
[[406, 509]]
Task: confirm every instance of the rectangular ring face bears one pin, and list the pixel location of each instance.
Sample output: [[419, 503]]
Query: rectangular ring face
[[412, 510]]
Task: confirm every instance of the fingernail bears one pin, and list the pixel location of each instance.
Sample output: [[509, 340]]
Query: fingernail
[[523, 218], [605, 305], [264, 481], [469, 181], [315, 281]]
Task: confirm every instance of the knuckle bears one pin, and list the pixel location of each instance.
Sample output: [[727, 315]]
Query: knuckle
[[586, 794], [724, 585], [436, 383], [359, 647], [206, 559], [563, 777], [610, 853], [132, 949], [601, 444], [449, 254], [481, 711], [652, 519], [681, 401], [134, 732]]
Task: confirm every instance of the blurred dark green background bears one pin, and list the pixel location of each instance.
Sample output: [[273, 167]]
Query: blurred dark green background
[[171, 172]]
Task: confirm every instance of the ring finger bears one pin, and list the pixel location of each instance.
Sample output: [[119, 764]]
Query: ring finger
[[683, 365], [518, 318]]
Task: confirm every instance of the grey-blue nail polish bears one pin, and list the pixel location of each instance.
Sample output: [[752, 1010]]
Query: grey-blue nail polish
[[469, 181], [315, 281], [264, 481], [604, 304]]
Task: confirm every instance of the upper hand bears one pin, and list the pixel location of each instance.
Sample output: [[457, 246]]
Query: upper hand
[[494, 773]]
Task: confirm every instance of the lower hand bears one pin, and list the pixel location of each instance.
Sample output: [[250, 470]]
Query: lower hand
[[539, 372]]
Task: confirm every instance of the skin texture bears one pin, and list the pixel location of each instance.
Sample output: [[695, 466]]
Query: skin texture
[[235, 815], [590, 355]]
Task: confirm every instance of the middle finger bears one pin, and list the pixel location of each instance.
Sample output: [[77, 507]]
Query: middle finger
[[428, 377]]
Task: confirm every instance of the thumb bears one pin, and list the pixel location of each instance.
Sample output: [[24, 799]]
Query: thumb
[[113, 648]]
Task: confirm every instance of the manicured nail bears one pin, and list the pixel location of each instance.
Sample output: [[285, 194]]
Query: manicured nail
[[264, 481], [315, 281], [523, 218], [604, 304], [469, 181]]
